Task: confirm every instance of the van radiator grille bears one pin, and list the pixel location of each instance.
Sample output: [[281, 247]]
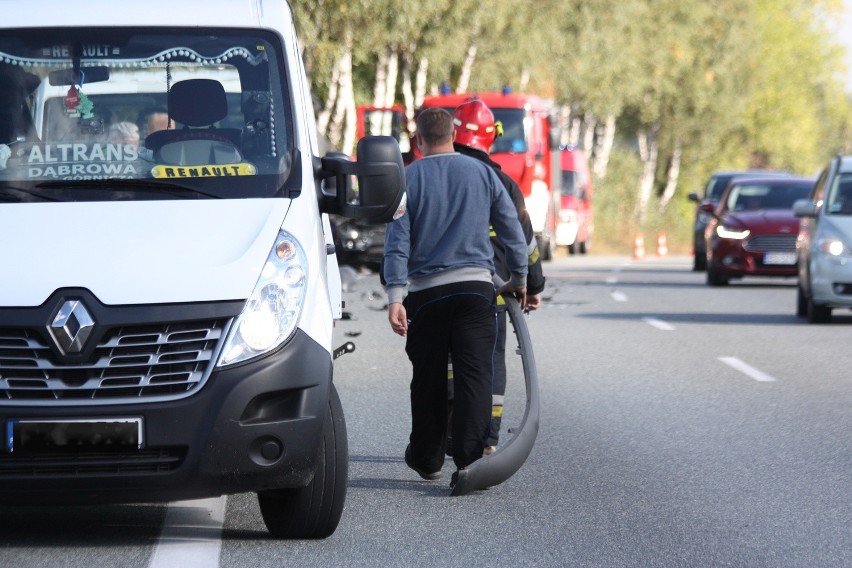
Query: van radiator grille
[[130, 362], [148, 460]]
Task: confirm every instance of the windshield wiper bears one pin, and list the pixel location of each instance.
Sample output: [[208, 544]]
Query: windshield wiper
[[147, 185], [25, 195]]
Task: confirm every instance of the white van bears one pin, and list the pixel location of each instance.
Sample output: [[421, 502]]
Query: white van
[[167, 302]]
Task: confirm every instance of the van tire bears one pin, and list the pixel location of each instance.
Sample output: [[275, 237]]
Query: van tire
[[313, 511]]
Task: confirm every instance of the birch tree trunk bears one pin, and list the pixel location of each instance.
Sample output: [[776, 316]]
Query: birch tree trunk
[[408, 89], [390, 89], [648, 149], [574, 131], [392, 76], [350, 129], [564, 123], [420, 81], [341, 129], [381, 78], [466, 70], [525, 80], [380, 90], [589, 133], [604, 147], [325, 116], [671, 181]]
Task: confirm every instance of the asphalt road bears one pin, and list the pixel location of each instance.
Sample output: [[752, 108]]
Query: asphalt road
[[681, 425]]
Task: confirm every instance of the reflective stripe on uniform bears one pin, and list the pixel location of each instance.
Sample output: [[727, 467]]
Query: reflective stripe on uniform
[[534, 256]]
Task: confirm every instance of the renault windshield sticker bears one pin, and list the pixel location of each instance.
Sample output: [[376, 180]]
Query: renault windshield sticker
[[87, 50], [82, 161], [223, 170]]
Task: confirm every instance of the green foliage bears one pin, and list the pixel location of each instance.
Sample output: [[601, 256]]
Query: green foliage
[[614, 202], [731, 83]]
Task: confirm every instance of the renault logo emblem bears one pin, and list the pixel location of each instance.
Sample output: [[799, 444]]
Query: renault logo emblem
[[71, 327]]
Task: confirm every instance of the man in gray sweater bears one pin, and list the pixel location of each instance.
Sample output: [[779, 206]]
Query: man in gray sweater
[[438, 268]]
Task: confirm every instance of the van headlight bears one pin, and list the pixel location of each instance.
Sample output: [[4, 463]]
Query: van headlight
[[271, 313]]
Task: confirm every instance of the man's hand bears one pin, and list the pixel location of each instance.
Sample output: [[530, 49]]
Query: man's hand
[[398, 319], [519, 294], [533, 302]]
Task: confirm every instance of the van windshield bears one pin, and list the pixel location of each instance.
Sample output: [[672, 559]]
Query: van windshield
[[115, 114]]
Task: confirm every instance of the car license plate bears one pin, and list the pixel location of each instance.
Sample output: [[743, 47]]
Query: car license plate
[[785, 258], [73, 435]]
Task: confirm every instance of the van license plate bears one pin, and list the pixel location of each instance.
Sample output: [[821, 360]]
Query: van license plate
[[785, 258], [74, 435]]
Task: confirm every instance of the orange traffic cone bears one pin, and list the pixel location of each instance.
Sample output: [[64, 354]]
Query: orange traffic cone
[[639, 246], [662, 247]]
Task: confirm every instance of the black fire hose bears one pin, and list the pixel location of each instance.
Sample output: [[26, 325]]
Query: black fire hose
[[507, 460]]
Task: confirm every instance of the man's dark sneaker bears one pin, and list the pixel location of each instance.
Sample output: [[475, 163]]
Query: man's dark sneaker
[[409, 461]]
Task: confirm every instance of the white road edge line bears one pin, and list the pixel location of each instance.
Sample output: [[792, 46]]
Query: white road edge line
[[659, 324], [747, 370], [618, 296], [191, 536]]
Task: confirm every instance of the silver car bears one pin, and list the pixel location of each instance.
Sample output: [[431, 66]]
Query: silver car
[[824, 245]]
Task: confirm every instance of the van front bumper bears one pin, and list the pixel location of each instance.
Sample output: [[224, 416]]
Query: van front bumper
[[251, 427]]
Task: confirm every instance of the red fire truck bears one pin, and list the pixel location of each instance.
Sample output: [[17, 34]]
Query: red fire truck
[[528, 151], [384, 121], [576, 223]]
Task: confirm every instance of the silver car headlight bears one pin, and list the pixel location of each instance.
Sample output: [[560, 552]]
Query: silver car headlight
[[272, 312], [833, 246]]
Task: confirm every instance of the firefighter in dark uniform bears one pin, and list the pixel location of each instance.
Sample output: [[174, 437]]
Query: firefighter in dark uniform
[[476, 130]]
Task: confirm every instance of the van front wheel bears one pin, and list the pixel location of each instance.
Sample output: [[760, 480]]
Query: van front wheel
[[313, 511]]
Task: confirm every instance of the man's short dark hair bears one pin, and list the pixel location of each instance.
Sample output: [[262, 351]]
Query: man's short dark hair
[[435, 125]]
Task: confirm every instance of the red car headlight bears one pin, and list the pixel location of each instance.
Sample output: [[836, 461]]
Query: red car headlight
[[732, 233]]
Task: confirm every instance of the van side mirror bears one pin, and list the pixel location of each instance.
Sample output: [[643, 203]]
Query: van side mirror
[[380, 195], [693, 197]]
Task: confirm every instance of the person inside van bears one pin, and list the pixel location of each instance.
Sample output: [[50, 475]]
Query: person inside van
[[16, 121], [124, 132]]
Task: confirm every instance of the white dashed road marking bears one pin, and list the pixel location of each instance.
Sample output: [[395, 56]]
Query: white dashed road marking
[[747, 370], [659, 324], [191, 535], [618, 296]]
